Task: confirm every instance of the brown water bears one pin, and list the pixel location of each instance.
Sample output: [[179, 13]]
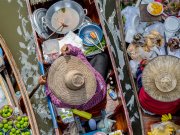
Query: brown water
[[16, 30]]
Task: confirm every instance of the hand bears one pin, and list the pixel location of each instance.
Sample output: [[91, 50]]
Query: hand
[[42, 80], [65, 50]]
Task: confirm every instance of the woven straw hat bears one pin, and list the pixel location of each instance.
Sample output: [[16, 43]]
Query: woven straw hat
[[71, 80], [161, 78]]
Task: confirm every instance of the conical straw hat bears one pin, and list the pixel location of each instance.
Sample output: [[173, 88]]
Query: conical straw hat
[[161, 78], [71, 80]]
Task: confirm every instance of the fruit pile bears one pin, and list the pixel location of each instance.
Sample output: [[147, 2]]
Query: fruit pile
[[26, 133], [6, 111], [13, 125], [14, 131], [6, 125], [22, 122]]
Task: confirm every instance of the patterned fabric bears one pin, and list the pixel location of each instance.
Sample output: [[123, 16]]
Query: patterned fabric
[[151, 105], [100, 91]]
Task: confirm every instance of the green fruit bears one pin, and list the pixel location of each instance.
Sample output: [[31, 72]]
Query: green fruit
[[10, 122], [6, 107], [1, 133], [13, 130], [21, 122], [15, 122], [19, 118], [25, 124], [4, 121], [22, 127], [10, 110], [4, 115], [11, 133], [18, 125], [5, 130], [1, 111], [18, 131], [8, 114], [9, 127], [26, 118], [28, 133], [5, 110], [6, 126], [1, 125]]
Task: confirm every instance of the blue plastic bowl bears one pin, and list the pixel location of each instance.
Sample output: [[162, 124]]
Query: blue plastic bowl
[[84, 34]]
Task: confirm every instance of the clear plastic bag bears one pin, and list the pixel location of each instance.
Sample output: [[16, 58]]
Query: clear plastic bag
[[164, 128], [50, 50]]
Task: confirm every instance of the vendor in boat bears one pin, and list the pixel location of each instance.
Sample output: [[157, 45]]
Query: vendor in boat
[[158, 82], [73, 82]]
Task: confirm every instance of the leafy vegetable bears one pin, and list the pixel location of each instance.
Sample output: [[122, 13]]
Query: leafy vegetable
[[92, 49]]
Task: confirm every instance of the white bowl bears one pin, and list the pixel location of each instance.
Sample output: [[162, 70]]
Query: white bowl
[[149, 7]]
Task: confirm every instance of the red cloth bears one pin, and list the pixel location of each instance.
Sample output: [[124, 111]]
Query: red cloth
[[157, 107]]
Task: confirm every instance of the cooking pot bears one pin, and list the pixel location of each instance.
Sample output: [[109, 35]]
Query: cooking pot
[[65, 12]]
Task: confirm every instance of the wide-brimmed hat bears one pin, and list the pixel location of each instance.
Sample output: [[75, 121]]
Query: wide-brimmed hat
[[71, 81], [161, 78]]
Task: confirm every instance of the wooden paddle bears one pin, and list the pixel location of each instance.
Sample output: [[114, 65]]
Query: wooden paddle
[[35, 88]]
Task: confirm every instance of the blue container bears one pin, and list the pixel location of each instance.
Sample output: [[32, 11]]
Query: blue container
[[84, 34]]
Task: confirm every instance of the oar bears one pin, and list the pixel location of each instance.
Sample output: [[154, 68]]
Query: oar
[[51, 109]]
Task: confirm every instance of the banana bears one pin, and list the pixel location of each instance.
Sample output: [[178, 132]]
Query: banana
[[170, 116]]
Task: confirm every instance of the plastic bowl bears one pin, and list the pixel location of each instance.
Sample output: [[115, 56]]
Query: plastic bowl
[[1, 117], [149, 7], [85, 31]]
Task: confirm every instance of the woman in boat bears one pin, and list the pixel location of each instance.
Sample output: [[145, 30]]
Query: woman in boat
[[81, 84], [158, 85]]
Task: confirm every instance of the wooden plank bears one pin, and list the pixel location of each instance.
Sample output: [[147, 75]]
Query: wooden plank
[[12, 91], [109, 12], [6, 91]]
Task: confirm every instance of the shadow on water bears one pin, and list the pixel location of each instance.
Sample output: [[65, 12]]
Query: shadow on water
[[16, 30]]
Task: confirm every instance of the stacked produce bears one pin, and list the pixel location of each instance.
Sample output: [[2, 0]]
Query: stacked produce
[[11, 124]]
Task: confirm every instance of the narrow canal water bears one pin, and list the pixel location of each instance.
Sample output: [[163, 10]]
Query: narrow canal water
[[16, 30]]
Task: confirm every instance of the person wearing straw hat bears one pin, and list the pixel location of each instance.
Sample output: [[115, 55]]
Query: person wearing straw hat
[[73, 83], [159, 84]]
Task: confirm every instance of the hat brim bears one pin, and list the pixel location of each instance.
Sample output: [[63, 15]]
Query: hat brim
[[56, 83], [157, 66]]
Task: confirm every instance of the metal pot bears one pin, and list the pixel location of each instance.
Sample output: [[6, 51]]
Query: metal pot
[[63, 5]]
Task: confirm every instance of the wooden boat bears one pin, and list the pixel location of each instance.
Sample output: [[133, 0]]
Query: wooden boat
[[109, 15], [123, 111], [11, 82], [145, 119]]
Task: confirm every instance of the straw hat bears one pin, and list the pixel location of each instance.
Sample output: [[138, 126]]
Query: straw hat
[[161, 78], [71, 80]]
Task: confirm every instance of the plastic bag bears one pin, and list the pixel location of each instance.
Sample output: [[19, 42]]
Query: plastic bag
[[50, 50], [132, 22], [66, 115], [129, 12], [164, 128]]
